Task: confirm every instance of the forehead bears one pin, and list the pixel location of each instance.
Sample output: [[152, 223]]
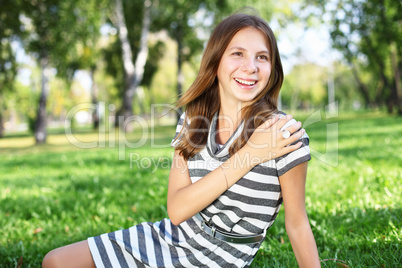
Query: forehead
[[249, 37]]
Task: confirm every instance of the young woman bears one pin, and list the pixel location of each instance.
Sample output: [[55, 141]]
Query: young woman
[[236, 159]]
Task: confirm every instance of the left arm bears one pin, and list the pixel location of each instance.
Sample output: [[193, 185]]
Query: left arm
[[296, 220]]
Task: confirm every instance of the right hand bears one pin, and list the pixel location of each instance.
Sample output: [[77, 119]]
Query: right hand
[[267, 143]]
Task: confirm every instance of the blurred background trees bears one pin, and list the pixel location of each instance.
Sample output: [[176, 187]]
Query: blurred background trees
[[10, 29], [122, 56], [369, 36]]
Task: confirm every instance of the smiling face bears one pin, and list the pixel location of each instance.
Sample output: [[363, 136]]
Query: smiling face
[[245, 67]]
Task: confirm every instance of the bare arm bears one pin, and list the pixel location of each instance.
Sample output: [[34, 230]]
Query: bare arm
[[296, 220], [185, 199]]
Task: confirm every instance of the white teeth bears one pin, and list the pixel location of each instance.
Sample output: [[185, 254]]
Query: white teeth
[[248, 83]]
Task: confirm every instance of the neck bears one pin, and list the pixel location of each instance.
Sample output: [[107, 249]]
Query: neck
[[231, 112], [229, 119]]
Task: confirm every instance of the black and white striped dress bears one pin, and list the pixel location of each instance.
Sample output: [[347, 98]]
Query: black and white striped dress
[[248, 207]]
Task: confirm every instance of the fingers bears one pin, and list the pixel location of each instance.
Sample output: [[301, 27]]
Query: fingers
[[295, 136], [290, 144], [278, 121], [288, 123], [278, 124], [285, 122], [293, 129], [271, 121], [291, 148]]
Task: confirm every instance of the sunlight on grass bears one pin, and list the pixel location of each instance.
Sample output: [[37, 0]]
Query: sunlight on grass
[[17, 142]]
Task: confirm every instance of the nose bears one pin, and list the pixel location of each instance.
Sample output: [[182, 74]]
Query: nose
[[249, 66]]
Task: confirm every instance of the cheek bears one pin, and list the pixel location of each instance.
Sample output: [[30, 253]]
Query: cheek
[[266, 71], [226, 69]]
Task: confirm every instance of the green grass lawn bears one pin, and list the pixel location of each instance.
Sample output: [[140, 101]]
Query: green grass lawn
[[57, 194]]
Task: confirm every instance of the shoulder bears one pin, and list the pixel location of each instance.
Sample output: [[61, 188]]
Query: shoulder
[[280, 113], [179, 129], [181, 119], [288, 161], [289, 123]]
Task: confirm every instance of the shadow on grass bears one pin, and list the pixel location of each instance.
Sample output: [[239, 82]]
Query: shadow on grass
[[362, 237], [356, 237]]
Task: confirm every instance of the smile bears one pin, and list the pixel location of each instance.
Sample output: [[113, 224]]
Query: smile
[[245, 82]]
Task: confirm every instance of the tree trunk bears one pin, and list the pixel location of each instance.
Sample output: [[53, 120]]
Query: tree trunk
[[41, 118], [396, 89], [294, 99], [133, 72], [390, 99], [2, 110], [1, 126], [361, 86], [180, 76], [95, 102], [331, 88]]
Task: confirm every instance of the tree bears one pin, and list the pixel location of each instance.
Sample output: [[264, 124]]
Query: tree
[[87, 50], [305, 86], [368, 33], [10, 29], [178, 18], [54, 28], [133, 72]]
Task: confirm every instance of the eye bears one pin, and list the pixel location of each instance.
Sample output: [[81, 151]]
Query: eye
[[238, 53], [263, 57]]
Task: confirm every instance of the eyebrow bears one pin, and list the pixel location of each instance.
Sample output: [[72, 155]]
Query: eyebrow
[[243, 49]]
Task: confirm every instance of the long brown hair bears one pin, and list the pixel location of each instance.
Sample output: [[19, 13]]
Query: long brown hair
[[202, 99]]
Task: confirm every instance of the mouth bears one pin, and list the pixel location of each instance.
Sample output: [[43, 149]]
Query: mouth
[[246, 82]]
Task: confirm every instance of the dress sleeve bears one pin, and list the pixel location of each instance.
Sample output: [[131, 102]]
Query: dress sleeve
[[290, 160], [179, 127]]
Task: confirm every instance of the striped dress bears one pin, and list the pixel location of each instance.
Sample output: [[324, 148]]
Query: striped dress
[[248, 207]]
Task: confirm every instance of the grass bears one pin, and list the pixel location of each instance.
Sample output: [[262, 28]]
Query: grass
[[56, 194]]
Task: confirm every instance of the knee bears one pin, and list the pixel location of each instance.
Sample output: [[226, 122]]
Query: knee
[[51, 260]]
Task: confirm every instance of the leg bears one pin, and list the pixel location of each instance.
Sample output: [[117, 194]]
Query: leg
[[75, 256]]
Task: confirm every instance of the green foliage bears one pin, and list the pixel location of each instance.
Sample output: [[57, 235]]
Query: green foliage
[[9, 30], [55, 28], [346, 91], [264, 9], [8, 66], [57, 194], [305, 87], [367, 33]]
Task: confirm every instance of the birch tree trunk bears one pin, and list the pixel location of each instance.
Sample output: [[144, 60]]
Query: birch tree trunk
[[133, 72], [41, 118]]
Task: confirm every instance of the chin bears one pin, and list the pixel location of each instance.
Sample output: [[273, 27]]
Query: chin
[[245, 99]]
